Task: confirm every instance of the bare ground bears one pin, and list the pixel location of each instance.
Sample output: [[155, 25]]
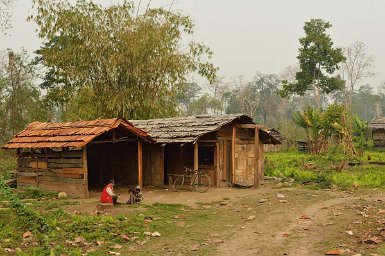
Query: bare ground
[[281, 221]]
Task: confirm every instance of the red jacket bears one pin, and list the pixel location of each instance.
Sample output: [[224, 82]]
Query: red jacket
[[105, 197]]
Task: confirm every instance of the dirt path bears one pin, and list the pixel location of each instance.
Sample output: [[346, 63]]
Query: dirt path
[[274, 221], [292, 229]]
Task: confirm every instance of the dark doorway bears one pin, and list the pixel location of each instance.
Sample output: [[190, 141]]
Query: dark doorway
[[116, 161]]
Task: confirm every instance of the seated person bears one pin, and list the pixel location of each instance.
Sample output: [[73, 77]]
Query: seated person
[[108, 195], [136, 195]]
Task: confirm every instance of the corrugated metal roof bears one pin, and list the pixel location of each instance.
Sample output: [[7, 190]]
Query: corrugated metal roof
[[191, 128], [69, 134]]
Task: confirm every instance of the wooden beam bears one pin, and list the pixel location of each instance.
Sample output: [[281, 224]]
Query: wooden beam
[[246, 126], [140, 164], [85, 171], [256, 158], [261, 164], [233, 154], [213, 141], [112, 141], [162, 166], [224, 160], [196, 155]]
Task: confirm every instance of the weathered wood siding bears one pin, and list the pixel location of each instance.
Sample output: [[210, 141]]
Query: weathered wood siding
[[58, 171], [272, 147], [378, 137], [244, 162], [244, 155], [153, 165]]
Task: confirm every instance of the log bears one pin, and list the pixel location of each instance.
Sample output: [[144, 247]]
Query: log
[[62, 165], [65, 160], [61, 180]]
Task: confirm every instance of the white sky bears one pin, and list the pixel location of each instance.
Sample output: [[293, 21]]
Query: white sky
[[254, 35]]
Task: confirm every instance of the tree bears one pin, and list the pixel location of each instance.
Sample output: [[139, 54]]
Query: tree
[[364, 103], [187, 95], [356, 66], [320, 125], [5, 14], [20, 99], [129, 64], [266, 86], [206, 104], [318, 60], [244, 100]]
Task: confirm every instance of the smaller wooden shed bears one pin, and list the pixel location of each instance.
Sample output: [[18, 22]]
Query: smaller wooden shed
[[227, 147], [377, 128], [77, 157]]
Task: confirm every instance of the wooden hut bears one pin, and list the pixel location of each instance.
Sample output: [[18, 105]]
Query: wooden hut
[[228, 147], [378, 132], [77, 157], [284, 143]]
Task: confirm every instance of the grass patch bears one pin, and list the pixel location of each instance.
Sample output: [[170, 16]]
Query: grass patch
[[319, 169], [7, 165], [179, 226]]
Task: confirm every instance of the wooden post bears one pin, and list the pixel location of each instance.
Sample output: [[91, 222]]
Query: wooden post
[[261, 164], [196, 160], [233, 154], [85, 171], [140, 164], [217, 162], [224, 159], [256, 158], [162, 166]]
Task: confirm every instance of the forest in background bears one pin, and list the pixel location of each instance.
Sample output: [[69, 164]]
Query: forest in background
[[147, 66]]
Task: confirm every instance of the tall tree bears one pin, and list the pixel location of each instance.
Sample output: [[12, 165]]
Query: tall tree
[[127, 64], [356, 66], [5, 14], [266, 86], [318, 60], [20, 99]]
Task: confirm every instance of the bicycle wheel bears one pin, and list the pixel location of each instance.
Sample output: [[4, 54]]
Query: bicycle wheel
[[202, 183], [178, 183]]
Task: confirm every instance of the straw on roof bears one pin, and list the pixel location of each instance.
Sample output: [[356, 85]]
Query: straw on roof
[[191, 128]]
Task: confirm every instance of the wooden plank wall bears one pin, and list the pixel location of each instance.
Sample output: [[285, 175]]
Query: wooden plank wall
[[244, 155], [153, 165], [272, 147], [59, 171], [378, 137]]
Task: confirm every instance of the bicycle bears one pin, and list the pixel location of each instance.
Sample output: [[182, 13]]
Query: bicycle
[[199, 181]]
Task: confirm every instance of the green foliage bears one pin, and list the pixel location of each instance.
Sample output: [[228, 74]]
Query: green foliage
[[295, 165], [7, 165], [35, 193], [20, 99], [318, 60], [360, 129], [258, 98], [31, 219], [111, 61]]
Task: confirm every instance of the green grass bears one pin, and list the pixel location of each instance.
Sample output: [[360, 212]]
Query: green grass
[[7, 164], [319, 169], [193, 227]]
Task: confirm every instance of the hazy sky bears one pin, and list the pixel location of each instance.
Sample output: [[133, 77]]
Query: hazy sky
[[255, 35]]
